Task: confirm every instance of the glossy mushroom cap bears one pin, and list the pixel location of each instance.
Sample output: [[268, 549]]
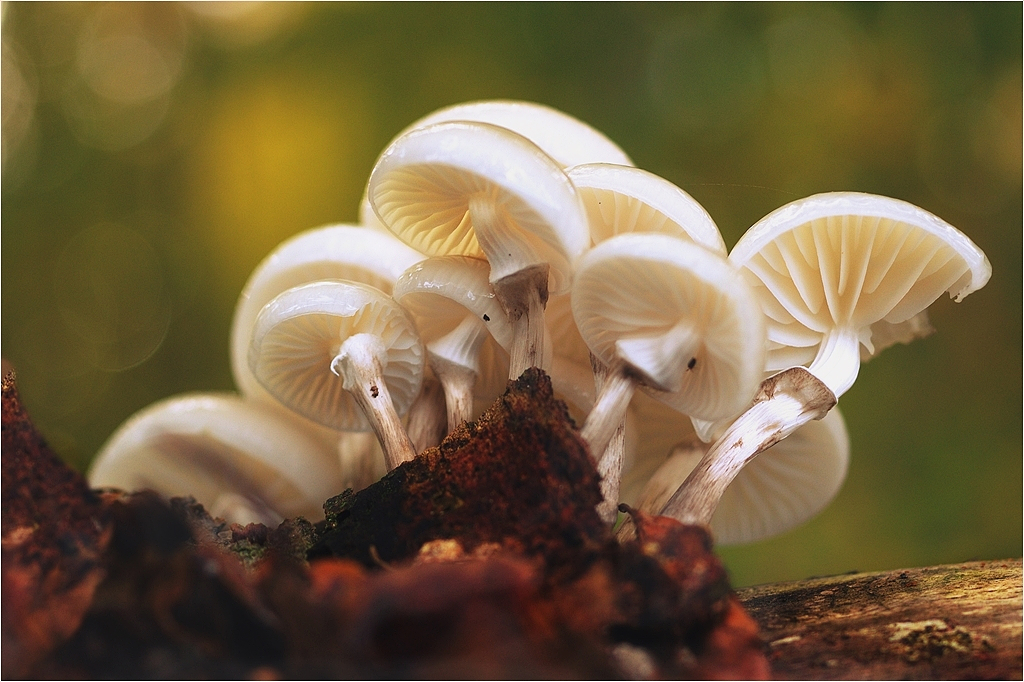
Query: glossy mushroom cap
[[830, 267], [425, 184], [679, 315], [778, 490], [567, 140], [622, 199], [298, 335], [241, 460]]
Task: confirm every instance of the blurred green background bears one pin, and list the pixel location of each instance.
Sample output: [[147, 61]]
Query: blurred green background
[[154, 153]]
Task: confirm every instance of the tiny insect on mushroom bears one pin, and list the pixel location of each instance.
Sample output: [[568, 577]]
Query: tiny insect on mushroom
[[646, 304], [344, 355], [780, 489], [462, 326], [244, 461], [473, 189]]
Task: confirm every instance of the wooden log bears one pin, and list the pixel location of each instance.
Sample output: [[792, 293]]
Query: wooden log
[[961, 621]]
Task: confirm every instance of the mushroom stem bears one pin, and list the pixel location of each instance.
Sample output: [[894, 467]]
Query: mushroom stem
[[524, 295], [457, 381], [609, 462], [426, 424], [613, 398], [785, 402], [454, 359], [519, 278], [360, 364], [838, 360]]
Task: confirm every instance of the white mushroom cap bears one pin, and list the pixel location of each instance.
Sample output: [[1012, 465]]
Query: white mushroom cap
[[298, 335], [567, 140], [237, 458], [829, 267], [333, 252], [621, 199], [424, 186], [679, 315], [461, 324], [778, 490]]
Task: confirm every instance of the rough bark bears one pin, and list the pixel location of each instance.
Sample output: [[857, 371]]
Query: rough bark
[[962, 621]]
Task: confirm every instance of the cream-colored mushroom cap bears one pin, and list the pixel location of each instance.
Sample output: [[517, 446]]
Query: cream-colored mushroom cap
[[564, 138], [621, 199], [442, 294], [241, 460], [298, 335], [828, 267], [678, 314], [435, 186], [333, 252], [778, 490]]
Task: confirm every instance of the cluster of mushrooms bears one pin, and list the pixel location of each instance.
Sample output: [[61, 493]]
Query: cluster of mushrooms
[[500, 235]]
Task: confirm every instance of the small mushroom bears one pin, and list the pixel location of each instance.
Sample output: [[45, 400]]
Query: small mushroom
[[309, 336], [462, 326], [333, 252], [673, 317], [473, 189], [781, 488], [245, 462]]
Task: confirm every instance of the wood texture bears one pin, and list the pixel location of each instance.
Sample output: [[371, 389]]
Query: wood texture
[[962, 621]]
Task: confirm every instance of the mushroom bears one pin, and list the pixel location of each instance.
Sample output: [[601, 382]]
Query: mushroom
[[671, 316], [331, 252], [830, 268], [309, 336], [780, 489], [244, 461], [462, 326], [473, 189], [623, 199]]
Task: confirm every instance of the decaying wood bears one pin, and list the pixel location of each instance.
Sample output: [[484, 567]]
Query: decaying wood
[[962, 621]]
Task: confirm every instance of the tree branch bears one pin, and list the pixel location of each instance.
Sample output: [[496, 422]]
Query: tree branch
[[962, 621]]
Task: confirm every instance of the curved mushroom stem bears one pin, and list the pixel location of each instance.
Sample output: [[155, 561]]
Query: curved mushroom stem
[[519, 278], [454, 359], [786, 401], [838, 360], [426, 424], [360, 364]]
